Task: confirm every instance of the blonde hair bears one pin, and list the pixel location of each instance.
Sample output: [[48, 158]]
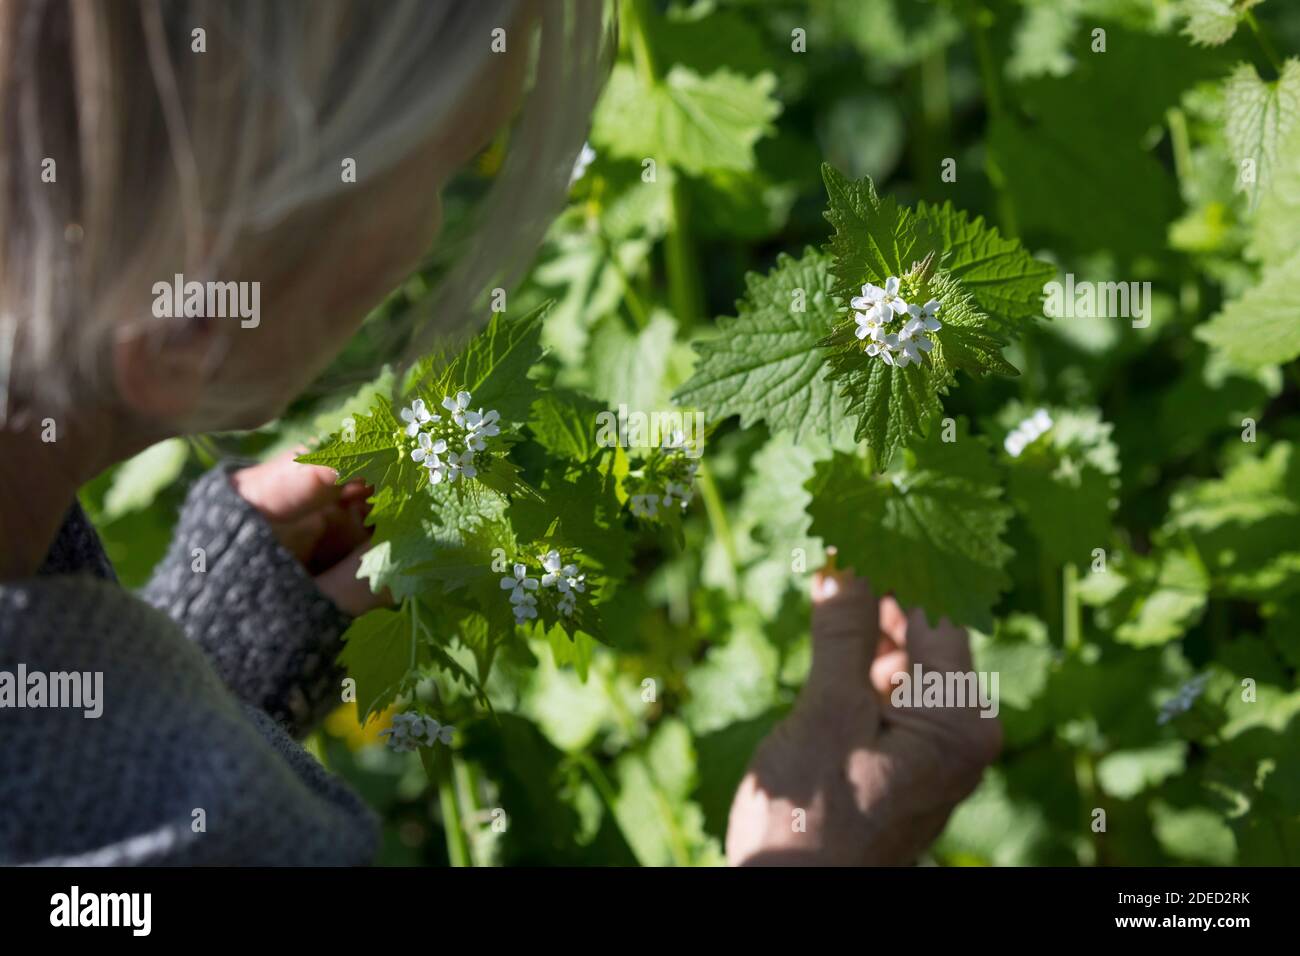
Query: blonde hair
[[245, 140]]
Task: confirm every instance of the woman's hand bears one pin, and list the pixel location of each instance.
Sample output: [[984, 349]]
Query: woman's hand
[[875, 783], [319, 522]]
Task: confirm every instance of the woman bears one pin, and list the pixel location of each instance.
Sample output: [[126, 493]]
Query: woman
[[294, 153]]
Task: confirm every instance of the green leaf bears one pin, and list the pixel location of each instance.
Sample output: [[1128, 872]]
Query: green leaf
[[663, 826], [1005, 280], [1213, 22], [765, 365], [930, 531], [1246, 525], [367, 448], [377, 652], [1124, 774], [686, 121], [895, 405], [494, 366], [1260, 115], [874, 238], [137, 481], [585, 503], [564, 423], [1148, 601], [1064, 484], [1259, 328], [626, 367]]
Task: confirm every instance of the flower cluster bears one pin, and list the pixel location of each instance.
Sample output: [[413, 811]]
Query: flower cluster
[[1027, 432], [436, 441], [412, 730], [1183, 700], [677, 471], [892, 328], [563, 579]]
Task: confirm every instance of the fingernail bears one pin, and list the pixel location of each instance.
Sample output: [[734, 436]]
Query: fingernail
[[826, 584]]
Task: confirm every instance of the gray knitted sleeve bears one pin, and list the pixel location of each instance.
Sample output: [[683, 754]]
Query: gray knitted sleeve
[[267, 630], [149, 760]]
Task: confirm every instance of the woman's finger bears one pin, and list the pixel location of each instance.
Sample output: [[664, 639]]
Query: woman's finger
[[845, 629], [284, 490], [350, 594]]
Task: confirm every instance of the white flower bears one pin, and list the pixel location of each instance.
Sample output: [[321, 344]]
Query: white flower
[[427, 450], [644, 506], [460, 466], [519, 585], [584, 159], [913, 342], [925, 314], [525, 608], [411, 730], [572, 581], [681, 492], [416, 416], [479, 426], [457, 407], [566, 604], [880, 301], [869, 325], [1027, 432], [551, 564]]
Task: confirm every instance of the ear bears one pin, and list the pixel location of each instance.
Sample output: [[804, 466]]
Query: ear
[[160, 376]]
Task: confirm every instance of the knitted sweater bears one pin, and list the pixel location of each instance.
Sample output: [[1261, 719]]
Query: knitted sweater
[[204, 679]]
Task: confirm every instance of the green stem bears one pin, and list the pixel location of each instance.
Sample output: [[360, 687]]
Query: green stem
[[438, 766], [681, 262], [717, 513], [636, 307], [467, 790], [635, 15], [680, 259], [1085, 770], [980, 18], [1181, 142], [1265, 43], [1070, 618]]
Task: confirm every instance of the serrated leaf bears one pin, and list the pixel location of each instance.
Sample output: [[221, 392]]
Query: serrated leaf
[[1005, 280], [894, 405], [494, 366], [764, 365], [691, 122], [565, 424], [874, 238], [377, 653], [1213, 22], [585, 504], [369, 449], [931, 531], [1260, 115], [1260, 328]]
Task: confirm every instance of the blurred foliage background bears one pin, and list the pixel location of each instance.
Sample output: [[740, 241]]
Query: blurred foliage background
[[1116, 165]]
